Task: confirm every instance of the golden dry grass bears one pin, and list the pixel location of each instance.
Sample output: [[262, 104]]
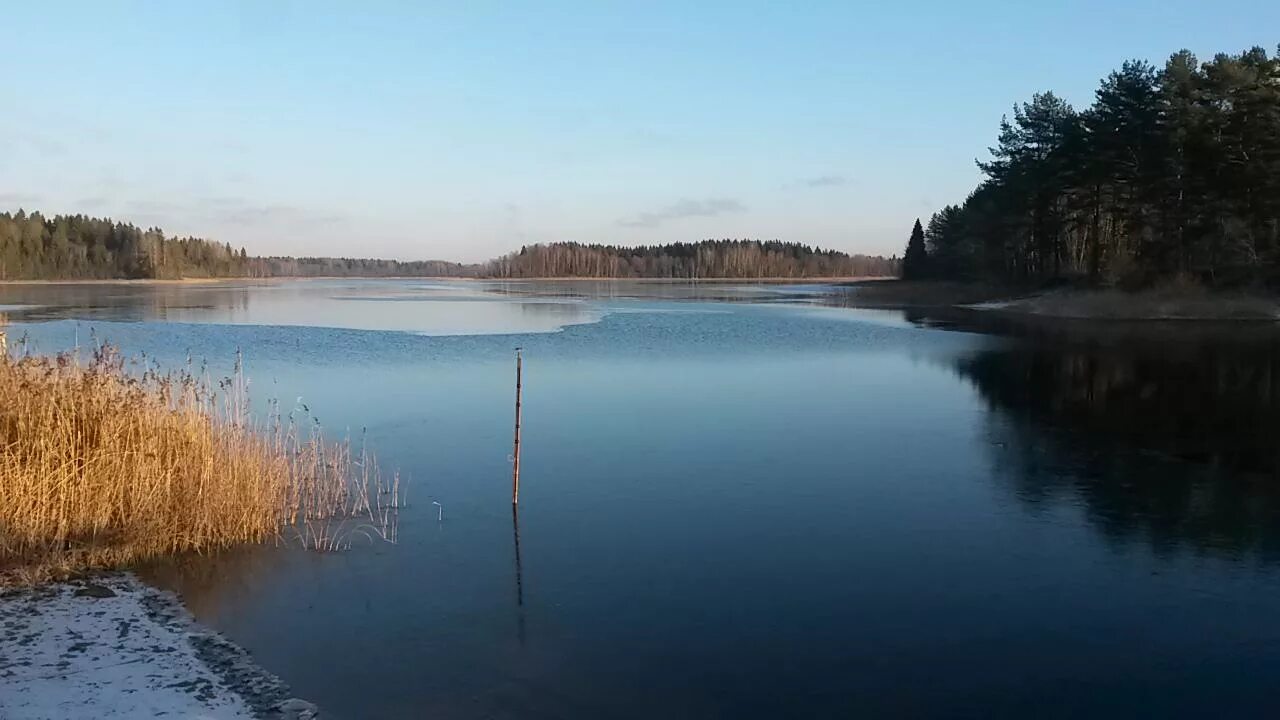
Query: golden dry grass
[[101, 466]]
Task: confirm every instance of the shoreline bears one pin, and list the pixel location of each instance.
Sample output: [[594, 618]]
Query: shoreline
[[1149, 306], [1154, 305], [663, 280], [111, 646]]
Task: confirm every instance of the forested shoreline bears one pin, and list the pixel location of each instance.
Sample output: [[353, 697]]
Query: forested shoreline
[[278, 266], [76, 247], [1170, 173], [742, 259]]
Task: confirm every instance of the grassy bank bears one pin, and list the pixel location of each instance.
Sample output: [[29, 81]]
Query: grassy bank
[[1172, 301], [1162, 303], [925, 293], [103, 465]]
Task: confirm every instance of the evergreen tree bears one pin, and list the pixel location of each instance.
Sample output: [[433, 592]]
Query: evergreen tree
[[915, 259], [949, 252]]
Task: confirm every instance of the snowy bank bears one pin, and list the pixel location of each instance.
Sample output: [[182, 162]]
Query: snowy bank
[[113, 647]]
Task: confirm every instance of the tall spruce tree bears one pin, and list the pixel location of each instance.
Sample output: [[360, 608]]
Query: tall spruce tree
[[915, 260]]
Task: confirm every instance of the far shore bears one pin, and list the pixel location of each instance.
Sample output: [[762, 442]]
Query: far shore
[[1156, 304], [667, 280]]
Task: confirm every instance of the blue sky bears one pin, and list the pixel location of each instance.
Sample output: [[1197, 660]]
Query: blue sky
[[462, 130]]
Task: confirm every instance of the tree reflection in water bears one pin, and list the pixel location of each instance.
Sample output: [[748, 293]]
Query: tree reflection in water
[[1164, 434]]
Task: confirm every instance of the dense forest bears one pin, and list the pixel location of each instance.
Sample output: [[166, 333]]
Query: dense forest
[[33, 247], [1172, 172], [706, 259], [72, 247]]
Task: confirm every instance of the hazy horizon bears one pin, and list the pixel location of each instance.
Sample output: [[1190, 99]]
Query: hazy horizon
[[461, 134]]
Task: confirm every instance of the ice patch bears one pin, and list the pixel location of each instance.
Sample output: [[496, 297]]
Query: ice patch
[[114, 647]]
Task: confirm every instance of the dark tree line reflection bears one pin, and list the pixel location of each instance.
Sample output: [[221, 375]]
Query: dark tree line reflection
[[121, 303], [1165, 435]]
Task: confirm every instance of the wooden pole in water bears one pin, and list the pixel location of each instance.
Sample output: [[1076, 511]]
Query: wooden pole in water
[[515, 467]]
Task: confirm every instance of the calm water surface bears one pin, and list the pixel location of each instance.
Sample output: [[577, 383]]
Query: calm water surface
[[740, 502]]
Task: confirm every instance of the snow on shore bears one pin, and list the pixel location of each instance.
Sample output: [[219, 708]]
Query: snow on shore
[[113, 647]]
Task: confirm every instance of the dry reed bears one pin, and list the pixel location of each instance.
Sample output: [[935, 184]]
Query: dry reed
[[103, 464]]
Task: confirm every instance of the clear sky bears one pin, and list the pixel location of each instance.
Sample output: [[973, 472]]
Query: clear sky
[[461, 130]]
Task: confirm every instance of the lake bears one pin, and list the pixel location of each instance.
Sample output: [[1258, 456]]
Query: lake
[[743, 501]]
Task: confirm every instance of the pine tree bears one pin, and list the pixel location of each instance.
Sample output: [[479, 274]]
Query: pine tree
[[1170, 171]]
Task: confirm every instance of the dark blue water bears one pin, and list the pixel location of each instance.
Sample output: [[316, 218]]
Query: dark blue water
[[764, 509]]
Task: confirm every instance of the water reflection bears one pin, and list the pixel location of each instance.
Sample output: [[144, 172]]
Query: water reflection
[[1169, 441], [515, 534], [426, 307], [209, 584], [683, 290]]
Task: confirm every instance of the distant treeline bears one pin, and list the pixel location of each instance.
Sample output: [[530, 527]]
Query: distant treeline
[[356, 267], [1172, 171], [71, 247], [75, 247], [706, 259]]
